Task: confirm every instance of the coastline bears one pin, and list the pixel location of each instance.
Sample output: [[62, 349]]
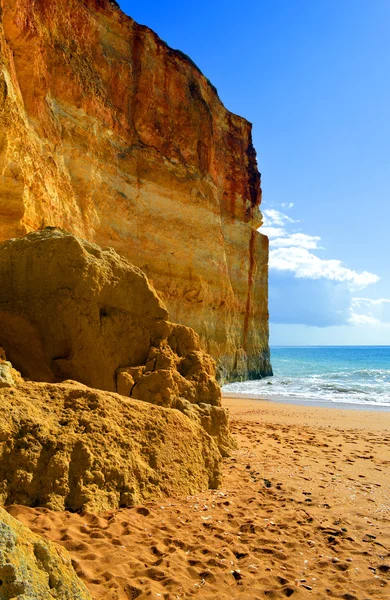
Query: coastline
[[308, 413], [303, 510], [309, 402]]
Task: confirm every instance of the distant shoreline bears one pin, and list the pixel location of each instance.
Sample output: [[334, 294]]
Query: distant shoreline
[[308, 403]]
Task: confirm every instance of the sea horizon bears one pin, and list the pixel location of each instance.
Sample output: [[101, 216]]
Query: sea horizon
[[329, 346]]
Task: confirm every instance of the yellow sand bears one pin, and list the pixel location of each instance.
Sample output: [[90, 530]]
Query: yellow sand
[[303, 513]]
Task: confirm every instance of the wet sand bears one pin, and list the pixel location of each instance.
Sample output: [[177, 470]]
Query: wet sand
[[304, 512]]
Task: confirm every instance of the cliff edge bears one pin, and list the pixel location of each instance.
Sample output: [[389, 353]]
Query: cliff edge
[[111, 134]]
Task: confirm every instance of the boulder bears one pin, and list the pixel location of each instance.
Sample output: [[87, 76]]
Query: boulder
[[71, 310], [69, 447], [32, 568]]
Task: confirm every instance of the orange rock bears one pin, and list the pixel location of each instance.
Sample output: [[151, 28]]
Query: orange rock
[[108, 132]]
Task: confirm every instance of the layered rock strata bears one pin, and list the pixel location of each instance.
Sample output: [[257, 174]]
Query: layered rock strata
[[32, 568], [71, 310], [108, 132]]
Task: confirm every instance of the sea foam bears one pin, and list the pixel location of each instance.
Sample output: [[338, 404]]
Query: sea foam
[[337, 374]]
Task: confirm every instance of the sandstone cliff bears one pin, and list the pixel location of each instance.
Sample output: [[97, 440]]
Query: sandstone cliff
[[108, 132], [32, 568]]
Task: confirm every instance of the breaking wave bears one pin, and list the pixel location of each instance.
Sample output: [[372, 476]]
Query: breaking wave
[[350, 375]]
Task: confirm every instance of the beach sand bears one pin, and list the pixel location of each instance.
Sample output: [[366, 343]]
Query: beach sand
[[304, 512]]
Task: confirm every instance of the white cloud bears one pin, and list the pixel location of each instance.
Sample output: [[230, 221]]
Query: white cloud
[[305, 264], [300, 240], [368, 311], [356, 319], [310, 290], [359, 302], [272, 232], [275, 217], [289, 251]]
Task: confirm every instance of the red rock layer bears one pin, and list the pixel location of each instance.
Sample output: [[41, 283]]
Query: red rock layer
[[111, 134]]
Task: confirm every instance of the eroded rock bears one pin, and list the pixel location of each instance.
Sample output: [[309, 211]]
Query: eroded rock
[[71, 310], [66, 446]]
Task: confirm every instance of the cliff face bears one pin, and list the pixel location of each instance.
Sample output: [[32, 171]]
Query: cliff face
[[109, 133]]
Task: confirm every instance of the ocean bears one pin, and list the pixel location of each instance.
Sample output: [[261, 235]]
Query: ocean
[[346, 375]]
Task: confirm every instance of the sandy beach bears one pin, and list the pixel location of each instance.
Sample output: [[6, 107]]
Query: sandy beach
[[303, 512]]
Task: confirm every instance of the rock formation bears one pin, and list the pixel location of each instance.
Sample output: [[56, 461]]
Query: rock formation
[[66, 446], [70, 310], [108, 132], [32, 568]]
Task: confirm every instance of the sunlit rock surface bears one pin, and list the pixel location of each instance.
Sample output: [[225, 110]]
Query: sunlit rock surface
[[111, 134]]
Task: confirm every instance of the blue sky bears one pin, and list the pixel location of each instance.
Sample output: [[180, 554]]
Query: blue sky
[[313, 78]]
